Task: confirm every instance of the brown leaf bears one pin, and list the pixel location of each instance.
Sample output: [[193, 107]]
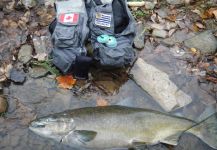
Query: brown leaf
[[215, 13], [101, 102], [66, 82], [171, 17], [208, 13]]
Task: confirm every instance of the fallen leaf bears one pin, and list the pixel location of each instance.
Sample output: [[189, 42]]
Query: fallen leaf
[[208, 13], [194, 50], [101, 102], [66, 81], [195, 28], [197, 11], [215, 13], [153, 17], [171, 17], [171, 32], [200, 25]]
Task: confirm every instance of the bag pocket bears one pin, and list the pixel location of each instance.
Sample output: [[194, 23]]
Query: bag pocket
[[66, 36], [110, 57]]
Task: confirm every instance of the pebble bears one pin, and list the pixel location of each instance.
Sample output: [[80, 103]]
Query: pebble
[[38, 72], [17, 76], [3, 104], [25, 54], [160, 33]]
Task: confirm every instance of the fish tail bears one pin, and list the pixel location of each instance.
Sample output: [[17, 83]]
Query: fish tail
[[206, 130]]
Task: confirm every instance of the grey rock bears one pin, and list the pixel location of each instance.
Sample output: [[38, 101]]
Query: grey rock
[[25, 54], [160, 33], [17, 76], [149, 5], [39, 44], [139, 40], [205, 42], [176, 2], [178, 37], [38, 72]]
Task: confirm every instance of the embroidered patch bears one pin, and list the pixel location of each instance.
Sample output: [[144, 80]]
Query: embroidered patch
[[103, 20], [69, 18]]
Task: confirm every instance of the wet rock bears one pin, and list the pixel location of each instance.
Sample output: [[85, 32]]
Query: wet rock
[[205, 42], [17, 76], [28, 3], [25, 54], [177, 37], [139, 40], [3, 104], [38, 72], [160, 33], [32, 91]]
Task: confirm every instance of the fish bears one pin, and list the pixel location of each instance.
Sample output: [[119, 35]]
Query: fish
[[115, 126]]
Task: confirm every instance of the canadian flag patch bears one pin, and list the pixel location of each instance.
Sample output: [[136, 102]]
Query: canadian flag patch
[[70, 18]]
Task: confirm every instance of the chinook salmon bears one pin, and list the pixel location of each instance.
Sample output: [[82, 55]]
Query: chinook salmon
[[121, 127]]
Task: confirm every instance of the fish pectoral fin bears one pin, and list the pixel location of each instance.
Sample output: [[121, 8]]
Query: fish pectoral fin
[[85, 135], [171, 140]]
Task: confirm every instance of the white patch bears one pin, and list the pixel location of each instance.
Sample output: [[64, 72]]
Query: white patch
[[103, 20]]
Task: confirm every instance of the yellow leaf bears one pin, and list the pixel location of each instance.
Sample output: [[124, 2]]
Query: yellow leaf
[[195, 28], [66, 82], [193, 50], [101, 102]]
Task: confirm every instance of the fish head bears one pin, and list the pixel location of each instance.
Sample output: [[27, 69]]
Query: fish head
[[52, 127]]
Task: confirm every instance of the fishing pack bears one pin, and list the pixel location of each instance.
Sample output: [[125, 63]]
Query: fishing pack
[[109, 26]]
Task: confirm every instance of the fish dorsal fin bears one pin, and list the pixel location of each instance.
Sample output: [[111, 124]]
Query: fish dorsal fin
[[85, 135], [171, 140]]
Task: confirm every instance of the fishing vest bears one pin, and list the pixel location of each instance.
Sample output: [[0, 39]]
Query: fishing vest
[[113, 18], [69, 33]]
